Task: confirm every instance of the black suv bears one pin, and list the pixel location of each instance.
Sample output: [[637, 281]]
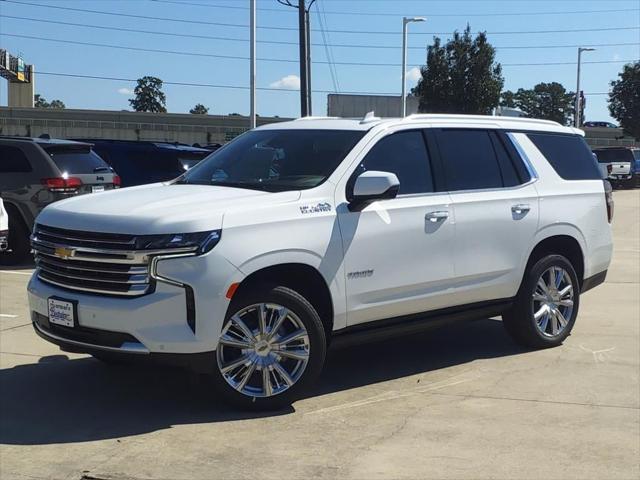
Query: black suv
[[141, 162], [35, 172]]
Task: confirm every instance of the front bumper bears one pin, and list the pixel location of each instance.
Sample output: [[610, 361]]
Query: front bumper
[[155, 323]]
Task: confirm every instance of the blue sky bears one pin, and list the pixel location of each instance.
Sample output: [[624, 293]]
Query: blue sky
[[338, 15]]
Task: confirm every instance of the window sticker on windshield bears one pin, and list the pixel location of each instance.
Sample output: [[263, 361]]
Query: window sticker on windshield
[[320, 207]]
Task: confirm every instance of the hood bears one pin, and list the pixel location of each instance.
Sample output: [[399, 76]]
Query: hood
[[156, 208]]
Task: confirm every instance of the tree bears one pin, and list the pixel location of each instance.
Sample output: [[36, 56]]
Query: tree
[[40, 102], [624, 99], [460, 76], [57, 104], [549, 101], [199, 109], [149, 96]]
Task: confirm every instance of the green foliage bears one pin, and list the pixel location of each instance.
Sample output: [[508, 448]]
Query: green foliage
[[40, 102], [149, 96], [460, 76], [199, 109], [624, 99], [549, 101]]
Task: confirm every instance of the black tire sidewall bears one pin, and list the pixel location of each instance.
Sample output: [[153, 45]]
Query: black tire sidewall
[[307, 314], [526, 305]]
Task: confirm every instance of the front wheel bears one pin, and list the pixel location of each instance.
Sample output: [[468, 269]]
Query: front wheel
[[271, 349], [546, 305]]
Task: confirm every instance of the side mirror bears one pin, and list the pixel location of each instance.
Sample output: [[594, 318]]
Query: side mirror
[[374, 185]]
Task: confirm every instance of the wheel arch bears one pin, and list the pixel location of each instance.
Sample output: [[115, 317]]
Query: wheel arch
[[560, 243], [301, 277]]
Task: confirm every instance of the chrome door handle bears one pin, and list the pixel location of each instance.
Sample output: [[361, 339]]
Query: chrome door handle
[[520, 208], [436, 217]]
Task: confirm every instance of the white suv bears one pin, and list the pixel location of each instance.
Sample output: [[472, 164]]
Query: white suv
[[298, 233]]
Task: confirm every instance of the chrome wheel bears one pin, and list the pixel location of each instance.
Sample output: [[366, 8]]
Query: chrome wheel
[[553, 301], [263, 350]]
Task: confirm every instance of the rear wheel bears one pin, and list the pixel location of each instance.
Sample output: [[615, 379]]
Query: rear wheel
[[271, 349], [546, 306], [19, 244]]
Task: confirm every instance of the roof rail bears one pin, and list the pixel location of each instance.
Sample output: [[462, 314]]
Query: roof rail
[[440, 116], [311, 117]]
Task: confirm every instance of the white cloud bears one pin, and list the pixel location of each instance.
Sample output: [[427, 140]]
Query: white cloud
[[288, 82], [414, 75], [125, 91]]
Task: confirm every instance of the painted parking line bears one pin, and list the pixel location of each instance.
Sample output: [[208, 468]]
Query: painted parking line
[[7, 315], [15, 272]]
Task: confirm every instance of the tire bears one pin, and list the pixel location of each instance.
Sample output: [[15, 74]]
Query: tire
[[550, 329], [287, 315], [19, 244]]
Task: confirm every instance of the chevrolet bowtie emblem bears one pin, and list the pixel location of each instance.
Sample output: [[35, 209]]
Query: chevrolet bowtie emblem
[[64, 252]]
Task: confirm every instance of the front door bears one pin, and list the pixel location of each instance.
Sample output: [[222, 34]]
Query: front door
[[398, 252]]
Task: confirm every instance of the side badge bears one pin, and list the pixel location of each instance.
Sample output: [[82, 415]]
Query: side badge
[[320, 207]]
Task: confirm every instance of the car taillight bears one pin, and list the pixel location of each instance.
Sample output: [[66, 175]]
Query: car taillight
[[116, 181], [61, 184], [608, 196]]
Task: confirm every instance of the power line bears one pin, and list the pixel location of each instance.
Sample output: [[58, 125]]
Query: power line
[[231, 87], [282, 60], [386, 14], [278, 42], [332, 69], [368, 32]]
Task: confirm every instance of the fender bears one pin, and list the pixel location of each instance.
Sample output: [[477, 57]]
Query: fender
[[331, 270]]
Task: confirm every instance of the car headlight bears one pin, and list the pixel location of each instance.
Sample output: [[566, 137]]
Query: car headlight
[[200, 242]]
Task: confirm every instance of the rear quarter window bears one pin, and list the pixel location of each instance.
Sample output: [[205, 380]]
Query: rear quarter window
[[569, 155], [13, 160]]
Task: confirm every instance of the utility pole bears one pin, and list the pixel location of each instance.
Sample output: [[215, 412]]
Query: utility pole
[[304, 36], [304, 82], [576, 117], [403, 100], [252, 68]]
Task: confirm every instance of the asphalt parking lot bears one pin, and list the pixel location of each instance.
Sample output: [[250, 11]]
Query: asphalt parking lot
[[459, 402]]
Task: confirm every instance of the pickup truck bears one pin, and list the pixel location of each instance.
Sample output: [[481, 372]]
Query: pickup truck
[[624, 162]]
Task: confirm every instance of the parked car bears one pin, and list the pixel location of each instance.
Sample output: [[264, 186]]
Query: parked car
[[35, 172], [300, 233], [624, 162], [140, 163], [599, 125], [4, 228]]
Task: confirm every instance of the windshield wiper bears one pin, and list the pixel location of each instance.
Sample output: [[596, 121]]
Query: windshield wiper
[[101, 169]]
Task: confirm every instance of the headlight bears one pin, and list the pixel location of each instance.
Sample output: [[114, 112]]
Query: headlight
[[201, 242]]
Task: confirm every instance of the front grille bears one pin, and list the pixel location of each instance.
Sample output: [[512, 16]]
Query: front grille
[[101, 263]]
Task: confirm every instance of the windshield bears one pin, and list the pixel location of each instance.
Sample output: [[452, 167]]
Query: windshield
[[275, 160], [614, 155]]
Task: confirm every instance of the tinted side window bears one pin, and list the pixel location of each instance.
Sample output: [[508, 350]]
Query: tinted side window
[[469, 159], [569, 155], [13, 160], [405, 154]]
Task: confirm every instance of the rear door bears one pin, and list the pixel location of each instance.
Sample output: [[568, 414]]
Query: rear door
[[495, 205], [79, 161]]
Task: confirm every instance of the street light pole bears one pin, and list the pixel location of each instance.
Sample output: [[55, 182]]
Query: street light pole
[[252, 63], [576, 118], [403, 99]]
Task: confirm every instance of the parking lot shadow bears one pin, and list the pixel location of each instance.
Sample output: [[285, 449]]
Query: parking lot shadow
[[59, 400]]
